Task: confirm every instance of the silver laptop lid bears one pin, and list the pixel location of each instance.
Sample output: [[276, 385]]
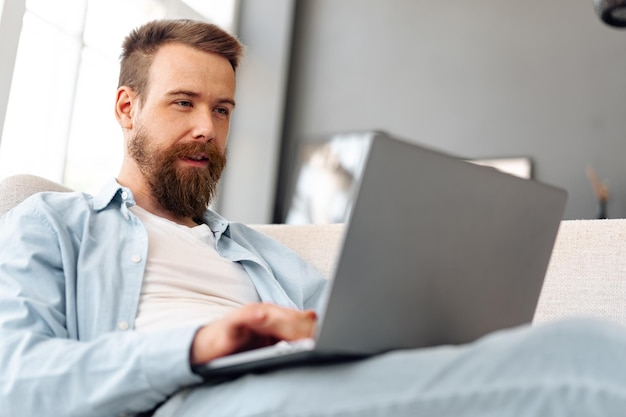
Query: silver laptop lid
[[437, 251]]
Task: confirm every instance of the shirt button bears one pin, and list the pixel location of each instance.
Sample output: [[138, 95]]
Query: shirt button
[[122, 325], [124, 195], [136, 258]]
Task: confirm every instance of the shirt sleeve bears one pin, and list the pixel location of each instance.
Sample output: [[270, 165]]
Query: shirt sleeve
[[47, 370]]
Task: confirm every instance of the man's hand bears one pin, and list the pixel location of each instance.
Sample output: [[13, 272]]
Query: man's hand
[[252, 326]]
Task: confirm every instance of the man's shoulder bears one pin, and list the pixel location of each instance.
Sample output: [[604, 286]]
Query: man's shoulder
[[245, 231], [63, 204], [60, 199]]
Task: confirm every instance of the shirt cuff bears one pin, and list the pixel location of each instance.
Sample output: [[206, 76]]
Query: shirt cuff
[[166, 359]]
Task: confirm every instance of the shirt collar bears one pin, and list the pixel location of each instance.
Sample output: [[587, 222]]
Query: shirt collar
[[112, 190], [216, 223]]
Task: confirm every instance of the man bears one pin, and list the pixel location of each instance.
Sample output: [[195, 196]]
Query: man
[[106, 302]]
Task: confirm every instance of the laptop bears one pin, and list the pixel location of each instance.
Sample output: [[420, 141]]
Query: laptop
[[437, 250]]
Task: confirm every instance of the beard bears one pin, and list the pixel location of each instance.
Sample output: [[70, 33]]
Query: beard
[[184, 192]]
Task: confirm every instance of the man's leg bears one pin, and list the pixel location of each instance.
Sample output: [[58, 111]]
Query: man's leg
[[576, 367]]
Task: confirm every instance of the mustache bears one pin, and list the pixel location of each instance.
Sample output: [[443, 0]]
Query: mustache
[[185, 149]]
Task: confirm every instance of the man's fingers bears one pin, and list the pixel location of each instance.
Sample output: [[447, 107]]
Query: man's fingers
[[252, 326], [281, 323]]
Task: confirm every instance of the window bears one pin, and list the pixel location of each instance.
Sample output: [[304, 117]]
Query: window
[[59, 122]]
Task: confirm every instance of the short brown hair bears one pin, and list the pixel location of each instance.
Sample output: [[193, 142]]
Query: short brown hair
[[140, 46]]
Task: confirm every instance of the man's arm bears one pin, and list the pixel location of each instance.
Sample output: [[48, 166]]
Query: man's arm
[[46, 369]]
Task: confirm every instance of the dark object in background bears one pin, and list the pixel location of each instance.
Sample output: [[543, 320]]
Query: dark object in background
[[601, 191], [612, 12]]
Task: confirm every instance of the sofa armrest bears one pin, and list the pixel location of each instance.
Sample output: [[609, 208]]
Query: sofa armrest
[[15, 189]]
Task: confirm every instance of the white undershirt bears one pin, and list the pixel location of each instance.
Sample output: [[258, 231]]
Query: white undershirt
[[186, 281]]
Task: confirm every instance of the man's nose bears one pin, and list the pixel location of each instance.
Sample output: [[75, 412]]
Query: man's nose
[[204, 127]]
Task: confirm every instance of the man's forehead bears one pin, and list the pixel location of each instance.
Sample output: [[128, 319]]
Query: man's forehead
[[182, 57], [180, 68]]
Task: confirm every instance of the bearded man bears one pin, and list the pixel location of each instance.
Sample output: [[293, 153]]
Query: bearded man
[[123, 292], [108, 301]]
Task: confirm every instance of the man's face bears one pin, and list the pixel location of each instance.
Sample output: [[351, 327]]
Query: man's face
[[179, 134]]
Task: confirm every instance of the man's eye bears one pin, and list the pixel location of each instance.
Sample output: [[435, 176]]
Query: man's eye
[[223, 111], [184, 103]]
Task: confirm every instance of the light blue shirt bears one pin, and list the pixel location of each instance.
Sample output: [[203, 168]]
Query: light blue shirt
[[71, 270]]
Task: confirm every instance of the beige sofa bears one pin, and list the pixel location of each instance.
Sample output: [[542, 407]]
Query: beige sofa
[[586, 275]]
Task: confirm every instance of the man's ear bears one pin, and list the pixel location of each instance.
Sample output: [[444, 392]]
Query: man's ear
[[125, 102]]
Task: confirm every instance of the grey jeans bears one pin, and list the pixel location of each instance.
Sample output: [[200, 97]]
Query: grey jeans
[[575, 367]]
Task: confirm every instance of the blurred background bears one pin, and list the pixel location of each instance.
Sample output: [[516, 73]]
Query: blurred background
[[537, 81]]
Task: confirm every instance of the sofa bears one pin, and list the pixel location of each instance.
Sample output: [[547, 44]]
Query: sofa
[[586, 274]]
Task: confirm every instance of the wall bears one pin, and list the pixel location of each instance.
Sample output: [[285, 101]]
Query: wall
[[248, 185], [487, 78]]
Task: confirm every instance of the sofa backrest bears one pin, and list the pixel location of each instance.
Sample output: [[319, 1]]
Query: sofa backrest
[[317, 244], [586, 274]]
